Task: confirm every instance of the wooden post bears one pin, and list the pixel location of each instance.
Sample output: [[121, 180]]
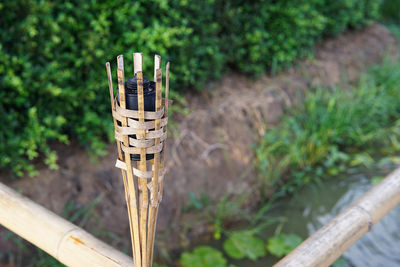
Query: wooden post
[[63, 240], [332, 240]]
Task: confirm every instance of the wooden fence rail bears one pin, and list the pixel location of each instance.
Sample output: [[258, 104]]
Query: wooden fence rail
[[63, 240], [327, 244]]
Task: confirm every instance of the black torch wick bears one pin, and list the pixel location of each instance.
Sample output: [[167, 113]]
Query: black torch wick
[[149, 95]]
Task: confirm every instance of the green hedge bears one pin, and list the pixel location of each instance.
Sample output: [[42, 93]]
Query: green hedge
[[390, 11], [52, 54]]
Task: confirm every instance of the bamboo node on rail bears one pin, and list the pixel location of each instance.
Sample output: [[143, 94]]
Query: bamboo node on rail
[[370, 219]]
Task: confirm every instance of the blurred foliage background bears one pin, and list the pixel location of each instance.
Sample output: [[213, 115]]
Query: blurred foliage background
[[52, 54]]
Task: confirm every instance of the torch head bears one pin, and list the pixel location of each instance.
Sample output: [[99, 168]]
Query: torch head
[[131, 95]]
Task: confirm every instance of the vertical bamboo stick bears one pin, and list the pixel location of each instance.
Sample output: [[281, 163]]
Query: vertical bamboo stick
[[144, 199], [120, 156], [162, 164], [166, 115], [130, 182], [137, 62], [157, 65], [156, 164]]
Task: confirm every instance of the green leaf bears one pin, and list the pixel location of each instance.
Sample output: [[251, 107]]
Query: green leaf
[[340, 262], [244, 245], [203, 256], [376, 179], [283, 244]]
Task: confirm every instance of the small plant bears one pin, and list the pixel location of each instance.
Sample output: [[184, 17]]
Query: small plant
[[80, 214], [227, 209], [283, 244], [244, 244], [376, 179], [203, 256], [196, 202]]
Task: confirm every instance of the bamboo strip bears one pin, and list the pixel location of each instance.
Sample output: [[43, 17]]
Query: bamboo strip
[[137, 62], [137, 66], [156, 164], [157, 65], [165, 143], [63, 240], [161, 187], [144, 197], [131, 185], [327, 244], [120, 156], [144, 200]]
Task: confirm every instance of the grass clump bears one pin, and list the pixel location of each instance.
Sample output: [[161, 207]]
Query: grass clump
[[332, 129]]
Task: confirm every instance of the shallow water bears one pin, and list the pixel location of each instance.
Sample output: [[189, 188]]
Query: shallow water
[[316, 205]]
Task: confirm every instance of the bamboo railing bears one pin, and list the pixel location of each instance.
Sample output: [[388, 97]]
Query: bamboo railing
[[332, 240], [63, 240]]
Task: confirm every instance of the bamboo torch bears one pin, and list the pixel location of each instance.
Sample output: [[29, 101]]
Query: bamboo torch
[[140, 120]]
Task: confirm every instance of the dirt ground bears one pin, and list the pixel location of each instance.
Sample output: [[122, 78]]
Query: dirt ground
[[212, 152]]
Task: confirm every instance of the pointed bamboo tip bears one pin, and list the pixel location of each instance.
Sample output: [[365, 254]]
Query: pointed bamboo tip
[[120, 62], [157, 62], [137, 56], [137, 62]]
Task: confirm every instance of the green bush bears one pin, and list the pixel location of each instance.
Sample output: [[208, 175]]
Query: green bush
[[272, 33], [52, 54], [341, 14], [331, 130], [390, 11]]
